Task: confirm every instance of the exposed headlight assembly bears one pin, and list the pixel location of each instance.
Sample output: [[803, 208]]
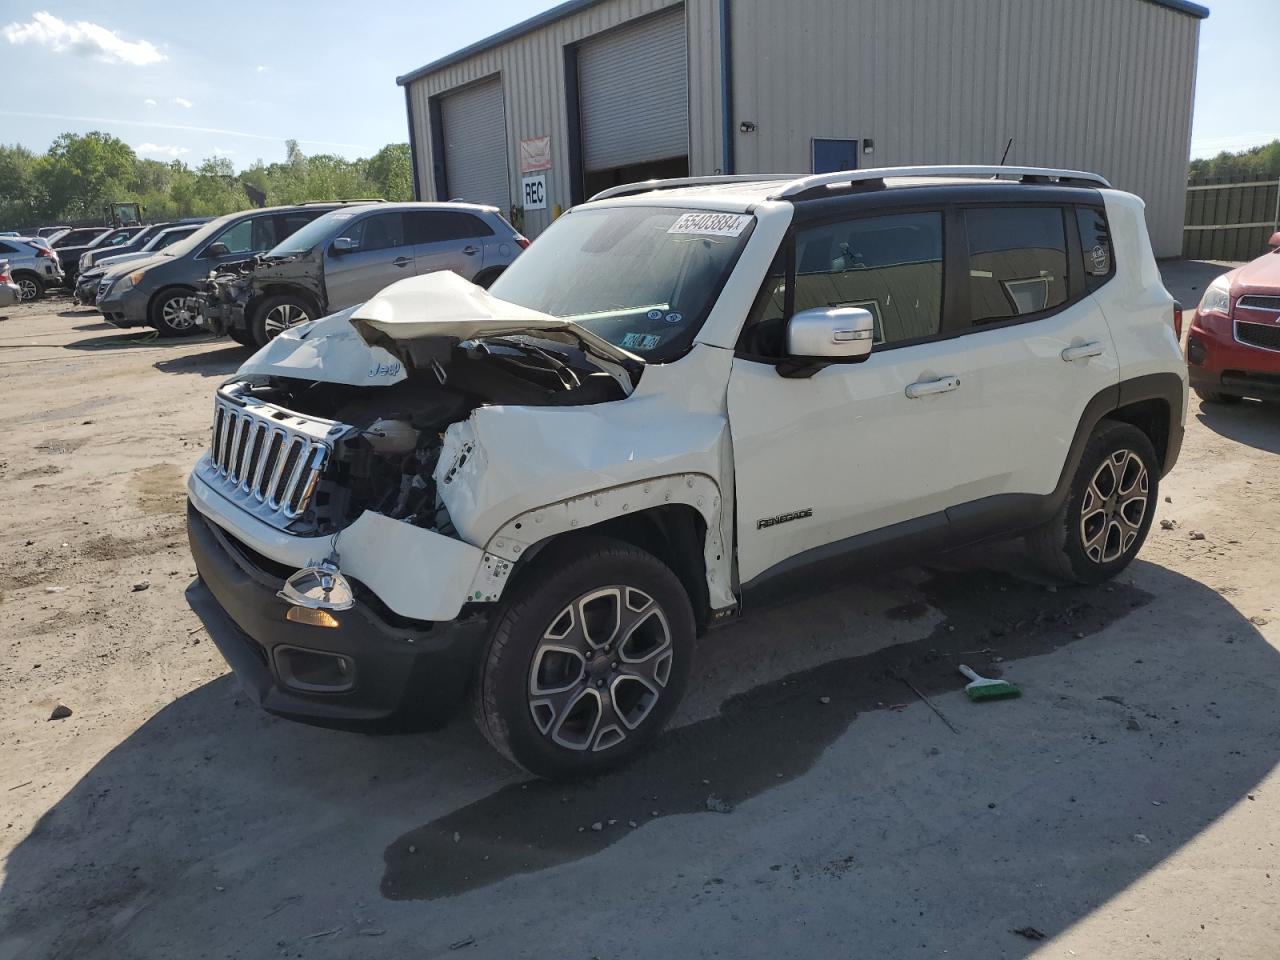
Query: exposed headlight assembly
[[127, 283], [1217, 298]]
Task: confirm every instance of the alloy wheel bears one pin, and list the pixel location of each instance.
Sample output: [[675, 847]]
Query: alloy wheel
[[27, 289], [178, 313], [281, 317], [1114, 506], [600, 668]]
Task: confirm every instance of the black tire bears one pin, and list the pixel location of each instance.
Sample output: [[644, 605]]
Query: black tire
[[1067, 546], [169, 312], [276, 313], [553, 737], [30, 287], [1213, 396], [241, 336], [485, 278]]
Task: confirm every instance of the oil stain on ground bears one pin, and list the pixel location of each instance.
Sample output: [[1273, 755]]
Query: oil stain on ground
[[760, 738]]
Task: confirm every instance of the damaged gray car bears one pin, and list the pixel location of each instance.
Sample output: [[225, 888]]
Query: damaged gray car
[[347, 256]]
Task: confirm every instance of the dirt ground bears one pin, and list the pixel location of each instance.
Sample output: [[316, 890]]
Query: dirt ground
[[806, 804]]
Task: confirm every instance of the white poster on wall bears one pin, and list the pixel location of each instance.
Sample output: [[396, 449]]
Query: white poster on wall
[[535, 154], [535, 192]]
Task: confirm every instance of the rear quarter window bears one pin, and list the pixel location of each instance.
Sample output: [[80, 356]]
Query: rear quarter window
[[1095, 245]]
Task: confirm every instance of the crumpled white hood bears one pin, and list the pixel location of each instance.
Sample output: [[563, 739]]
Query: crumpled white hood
[[350, 347], [327, 350]]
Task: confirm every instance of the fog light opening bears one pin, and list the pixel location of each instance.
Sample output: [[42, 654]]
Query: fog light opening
[[312, 671]]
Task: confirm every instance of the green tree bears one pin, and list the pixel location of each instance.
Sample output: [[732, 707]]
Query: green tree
[[1256, 163], [390, 170], [21, 198], [81, 174]]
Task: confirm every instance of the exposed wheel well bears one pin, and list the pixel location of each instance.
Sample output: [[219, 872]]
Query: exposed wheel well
[[1153, 418], [674, 533]]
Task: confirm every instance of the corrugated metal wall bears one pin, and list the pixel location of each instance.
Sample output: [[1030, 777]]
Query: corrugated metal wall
[[1103, 85], [532, 71]]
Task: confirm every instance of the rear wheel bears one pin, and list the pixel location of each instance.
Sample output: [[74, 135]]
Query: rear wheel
[[1213, 396], [586, 661], [174, 312], [30, 286], [276, 314], [1105, 518]]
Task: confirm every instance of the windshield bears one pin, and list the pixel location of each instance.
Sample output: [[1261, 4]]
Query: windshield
[[643, 278], [317, 231]]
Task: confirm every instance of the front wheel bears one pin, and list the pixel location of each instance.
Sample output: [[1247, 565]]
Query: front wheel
[[586, 661], [1213, 396], [174, 312], [1104, 520], [276, 314]]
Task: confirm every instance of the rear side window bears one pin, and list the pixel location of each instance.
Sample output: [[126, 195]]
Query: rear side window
[[1017, 262], [1095, 245], [890, 266], [290, 223], [437, 226], [5, 248]]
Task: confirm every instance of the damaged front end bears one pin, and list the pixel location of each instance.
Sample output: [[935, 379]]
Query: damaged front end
[[223, 294], [227, 294], [349, 414]]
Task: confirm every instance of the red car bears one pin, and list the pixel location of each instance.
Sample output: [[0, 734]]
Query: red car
[[1233, 346]]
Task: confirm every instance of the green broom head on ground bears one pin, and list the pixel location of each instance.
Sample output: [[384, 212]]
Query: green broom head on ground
[[984, 688]]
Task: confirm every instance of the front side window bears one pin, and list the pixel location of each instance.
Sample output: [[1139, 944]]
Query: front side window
[[1017, 262], [643, 278], [890, 266], [237, 238], [378, 232]]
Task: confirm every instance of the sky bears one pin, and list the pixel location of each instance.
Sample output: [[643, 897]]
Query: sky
[[236, 78]]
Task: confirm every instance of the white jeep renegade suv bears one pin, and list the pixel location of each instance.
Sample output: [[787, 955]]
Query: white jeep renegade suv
[[684, 396]]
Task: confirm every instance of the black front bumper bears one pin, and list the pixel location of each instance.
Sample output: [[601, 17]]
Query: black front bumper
[[412, 677]]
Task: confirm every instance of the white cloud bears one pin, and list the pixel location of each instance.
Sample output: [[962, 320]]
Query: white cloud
[[84, 39], [261, 69], [222, 152], [181, 102], [149, 102], [168, 151]]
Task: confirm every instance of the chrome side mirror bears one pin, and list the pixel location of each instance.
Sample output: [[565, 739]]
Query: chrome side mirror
[[826, 335], [342, 245]]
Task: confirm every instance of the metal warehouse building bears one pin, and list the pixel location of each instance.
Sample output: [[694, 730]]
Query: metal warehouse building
[[594, 93]]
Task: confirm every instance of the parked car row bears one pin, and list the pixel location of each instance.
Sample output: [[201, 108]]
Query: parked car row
[[33, 263]]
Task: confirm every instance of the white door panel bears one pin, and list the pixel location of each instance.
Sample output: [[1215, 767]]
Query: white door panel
[[852, 445]]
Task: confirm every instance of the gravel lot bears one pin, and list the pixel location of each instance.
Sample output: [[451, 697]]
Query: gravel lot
[[807, 804]]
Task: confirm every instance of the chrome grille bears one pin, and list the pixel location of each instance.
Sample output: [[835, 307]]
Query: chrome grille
[[266, 458], [103, 286], [1254, 302]]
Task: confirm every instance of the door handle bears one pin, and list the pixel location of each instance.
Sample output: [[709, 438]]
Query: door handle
[[924, 388], [470, 250], [401, 262], [1083, 352]]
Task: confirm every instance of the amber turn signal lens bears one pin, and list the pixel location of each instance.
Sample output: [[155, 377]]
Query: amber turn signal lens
[[314, 618]]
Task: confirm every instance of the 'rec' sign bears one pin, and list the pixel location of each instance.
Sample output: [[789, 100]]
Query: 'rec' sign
[[535, 192]]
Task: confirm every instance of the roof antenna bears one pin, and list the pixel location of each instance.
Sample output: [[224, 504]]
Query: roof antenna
[[1005, 155]]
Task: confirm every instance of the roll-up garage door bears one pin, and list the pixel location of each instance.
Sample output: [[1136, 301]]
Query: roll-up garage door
[[475, 145], [634, 93]]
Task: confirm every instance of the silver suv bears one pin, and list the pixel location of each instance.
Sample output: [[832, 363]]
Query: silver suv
[[34, 265], [348, 255]]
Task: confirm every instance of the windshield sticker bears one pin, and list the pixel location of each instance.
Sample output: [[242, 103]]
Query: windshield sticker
[[710, 224], [675, 317], [654, 314], [640, 341]]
